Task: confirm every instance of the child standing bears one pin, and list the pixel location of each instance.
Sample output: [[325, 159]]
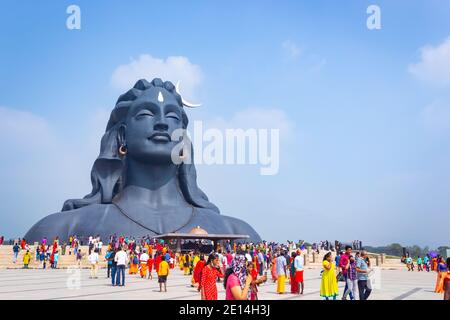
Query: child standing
[[163, 272]]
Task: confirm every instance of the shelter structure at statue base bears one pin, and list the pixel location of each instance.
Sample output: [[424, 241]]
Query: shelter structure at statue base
[[195, 240]]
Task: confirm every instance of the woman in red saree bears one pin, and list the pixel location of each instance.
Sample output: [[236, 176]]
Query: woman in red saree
[[157, 260], [55, 246], [197, 274], [209, 274], [150, 262], [255, 281], [23, 244], [255, 263]]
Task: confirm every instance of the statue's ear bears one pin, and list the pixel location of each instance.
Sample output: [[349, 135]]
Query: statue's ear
[[121, 135]]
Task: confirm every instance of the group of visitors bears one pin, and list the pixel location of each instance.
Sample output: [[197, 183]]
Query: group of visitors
[[354, 270], [241, 267]]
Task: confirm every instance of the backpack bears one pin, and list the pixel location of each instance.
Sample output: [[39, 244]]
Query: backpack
[[135, 260]]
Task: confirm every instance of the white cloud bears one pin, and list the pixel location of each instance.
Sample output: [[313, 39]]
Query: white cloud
[[174, 68], [291, 49], [436, 116], [24, 128], [43, 166], [434, 64]]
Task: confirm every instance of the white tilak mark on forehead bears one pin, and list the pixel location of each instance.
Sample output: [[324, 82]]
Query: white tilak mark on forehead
[[160, 97]]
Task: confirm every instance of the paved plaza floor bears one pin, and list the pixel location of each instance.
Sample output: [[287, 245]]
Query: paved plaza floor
[[75, 284]]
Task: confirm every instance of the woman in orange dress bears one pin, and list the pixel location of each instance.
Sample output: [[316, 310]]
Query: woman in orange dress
[[441, 276], [274, 269], [134, 263], [434, 263], [447, 282]]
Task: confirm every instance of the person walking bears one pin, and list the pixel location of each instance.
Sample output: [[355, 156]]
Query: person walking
[[16, 250], [351, 280], [150, 263], [109, 261], [426, 262], [134, 263], [163, 272], [362, 270], [337, 259], [261, 260], [419, 264], [121, 259], [281, 273], [93, 260], [344, 265], [294, 284], [113, 266], [299, 263], [55, 259], [143, 263], [408, 262]]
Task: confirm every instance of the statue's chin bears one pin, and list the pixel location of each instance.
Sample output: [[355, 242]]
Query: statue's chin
[[156, 158]]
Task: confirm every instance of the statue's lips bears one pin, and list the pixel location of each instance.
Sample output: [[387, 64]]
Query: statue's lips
[[160, 137]]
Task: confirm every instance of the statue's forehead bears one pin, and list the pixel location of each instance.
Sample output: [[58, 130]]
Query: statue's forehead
[[157, 96]]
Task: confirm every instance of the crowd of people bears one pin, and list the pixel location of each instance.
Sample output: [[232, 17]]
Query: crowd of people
[[241, 268]]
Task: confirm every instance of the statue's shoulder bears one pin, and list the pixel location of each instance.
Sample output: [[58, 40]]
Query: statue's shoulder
[[69, 222]]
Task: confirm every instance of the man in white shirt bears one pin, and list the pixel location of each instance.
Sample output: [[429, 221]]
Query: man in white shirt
[[143, 262], [93, 260], [299, 263], [121, 258], [248, 257]]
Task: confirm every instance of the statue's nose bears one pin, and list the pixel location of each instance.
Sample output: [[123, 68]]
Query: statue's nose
[[161, 125]]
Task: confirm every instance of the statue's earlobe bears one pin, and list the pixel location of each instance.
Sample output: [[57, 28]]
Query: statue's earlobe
[[121, 139]]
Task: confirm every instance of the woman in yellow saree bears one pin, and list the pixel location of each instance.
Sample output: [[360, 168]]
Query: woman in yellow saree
[[328, 284], [134, 263]]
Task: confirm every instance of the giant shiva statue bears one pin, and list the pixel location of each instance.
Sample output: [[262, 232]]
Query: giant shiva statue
[[137, 188]]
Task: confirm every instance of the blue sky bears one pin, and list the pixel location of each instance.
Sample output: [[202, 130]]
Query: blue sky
[[365, 114]]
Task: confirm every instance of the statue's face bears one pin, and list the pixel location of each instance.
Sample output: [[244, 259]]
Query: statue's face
[[150, 123]]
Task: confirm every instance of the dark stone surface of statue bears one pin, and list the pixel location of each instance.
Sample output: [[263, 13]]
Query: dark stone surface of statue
[[137, 189]]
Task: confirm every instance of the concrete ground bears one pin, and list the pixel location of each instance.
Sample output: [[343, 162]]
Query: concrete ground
[[75, 284]]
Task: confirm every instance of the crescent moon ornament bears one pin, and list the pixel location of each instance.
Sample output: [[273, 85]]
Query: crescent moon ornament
[[184, 102]]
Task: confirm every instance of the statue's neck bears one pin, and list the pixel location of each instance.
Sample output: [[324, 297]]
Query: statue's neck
[[154, 185]]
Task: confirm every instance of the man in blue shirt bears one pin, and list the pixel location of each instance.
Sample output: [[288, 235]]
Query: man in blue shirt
[[281, 273], [362, 270], [16, 249], [261, 262]]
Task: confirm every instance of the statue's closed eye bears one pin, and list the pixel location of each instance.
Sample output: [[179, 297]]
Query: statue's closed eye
[[144, 113], [172, 115]]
